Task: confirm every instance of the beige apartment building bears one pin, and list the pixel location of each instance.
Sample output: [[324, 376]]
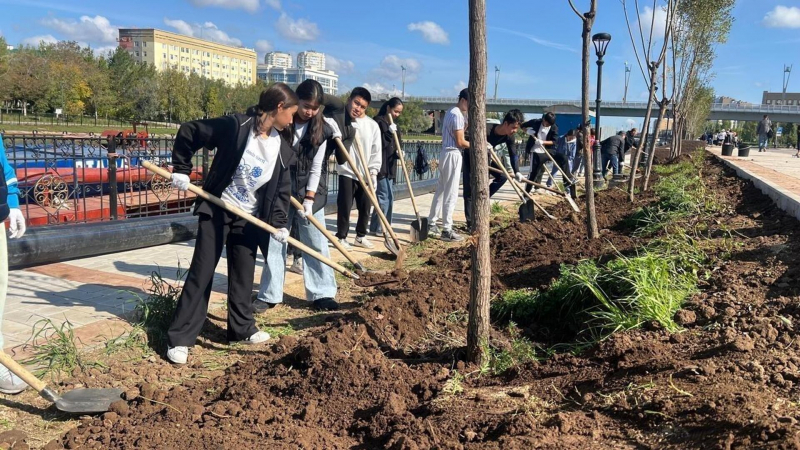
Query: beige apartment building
[[163, 49]]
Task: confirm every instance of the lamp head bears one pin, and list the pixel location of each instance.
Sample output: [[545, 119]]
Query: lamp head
[[601, 41]]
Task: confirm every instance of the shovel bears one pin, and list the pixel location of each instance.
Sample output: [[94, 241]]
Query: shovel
[[555, 191], [419, 227], [526, 210], [392, 245], [565, 177], [252, 219], [330, 237], [77, 401]]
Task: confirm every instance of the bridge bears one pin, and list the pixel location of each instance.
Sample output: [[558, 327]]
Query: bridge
[[612, 108]]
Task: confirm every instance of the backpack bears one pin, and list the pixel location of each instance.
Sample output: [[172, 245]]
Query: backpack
[[770, 133], [421, 165]]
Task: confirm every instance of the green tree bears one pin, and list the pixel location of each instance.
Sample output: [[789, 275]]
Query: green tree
[[414, 118], [212, 104]]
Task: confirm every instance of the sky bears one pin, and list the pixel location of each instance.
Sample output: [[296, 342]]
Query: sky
[[536, 44]]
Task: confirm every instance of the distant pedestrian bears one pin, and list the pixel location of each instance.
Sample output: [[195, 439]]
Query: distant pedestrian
[[450, 161], [389, 157], [251, 171], [567, 146], [9, 209], [764, 132], [797, 155]]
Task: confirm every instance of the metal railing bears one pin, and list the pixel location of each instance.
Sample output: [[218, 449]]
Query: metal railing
[[80, 180], [51, 120]]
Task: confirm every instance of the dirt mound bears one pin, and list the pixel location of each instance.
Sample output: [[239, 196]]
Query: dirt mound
[[384, 375]]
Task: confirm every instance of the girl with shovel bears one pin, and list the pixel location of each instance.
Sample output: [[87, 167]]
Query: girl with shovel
[[389, 157], [250, 171], [310, 133]]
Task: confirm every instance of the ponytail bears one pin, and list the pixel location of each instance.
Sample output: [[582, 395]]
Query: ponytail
[[269, 101]]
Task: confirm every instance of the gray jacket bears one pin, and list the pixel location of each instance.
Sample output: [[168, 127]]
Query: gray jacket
[[764, 126]]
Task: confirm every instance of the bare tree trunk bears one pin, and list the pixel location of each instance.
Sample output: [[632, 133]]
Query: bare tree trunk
[[480, 285], [662, 110], [637, 153], [591, 211]]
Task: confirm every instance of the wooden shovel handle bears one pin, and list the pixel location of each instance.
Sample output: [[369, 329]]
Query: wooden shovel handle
[[326, 233], [532, 183], [252, 219], [20, 371], [521, 192], [405, 170]]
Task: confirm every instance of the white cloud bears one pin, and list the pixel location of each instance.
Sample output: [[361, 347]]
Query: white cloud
[[104, 50], [783, 17], [431, 32], [263, 46], [247, 5], [300, 30], [378, 88], [392, 68], [539, 41], [89, 29], [205, 31], [340, 66], [34, 41], [659, 25], [274, 4], [455, 89]]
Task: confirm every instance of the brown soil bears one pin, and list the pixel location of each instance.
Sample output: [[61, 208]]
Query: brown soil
[[380, 376]]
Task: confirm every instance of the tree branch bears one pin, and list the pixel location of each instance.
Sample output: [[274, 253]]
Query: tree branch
[[581, 16]]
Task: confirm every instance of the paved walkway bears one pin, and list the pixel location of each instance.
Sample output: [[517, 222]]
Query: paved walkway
[[775, 172], [94, 294]]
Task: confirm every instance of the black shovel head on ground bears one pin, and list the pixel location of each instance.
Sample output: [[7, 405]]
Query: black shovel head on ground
[[88, 401], [419, 229], [526, 211]]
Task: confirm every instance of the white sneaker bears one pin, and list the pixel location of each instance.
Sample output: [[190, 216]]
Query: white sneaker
[[364, 243], [178, 355], [258, 338], [345, 244], [10, 383], [297, 266]]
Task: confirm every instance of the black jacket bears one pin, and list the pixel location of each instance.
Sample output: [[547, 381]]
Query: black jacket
[[301, 170], [613, 145], [389, 154], [536, 124], [229, 136], [335, 109], [495, 140]]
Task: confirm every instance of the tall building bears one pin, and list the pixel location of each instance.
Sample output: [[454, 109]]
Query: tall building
[[311, 60], [164, 49], [780, 99], [278, 59]]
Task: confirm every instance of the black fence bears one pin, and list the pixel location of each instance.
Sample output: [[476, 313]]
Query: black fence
[[81, 180], [63, 120]]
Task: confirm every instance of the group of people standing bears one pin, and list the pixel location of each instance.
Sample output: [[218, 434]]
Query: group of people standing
[[279, 149]]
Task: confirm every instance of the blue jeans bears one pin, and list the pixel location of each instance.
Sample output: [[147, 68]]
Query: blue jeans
[[614, 160], [318, 278], [385, 193], [569, 156], [763, 141]]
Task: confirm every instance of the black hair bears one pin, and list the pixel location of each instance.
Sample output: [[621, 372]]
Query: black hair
[[570, 133], [514, 116], [549, 118], [361, 92], [269, 101], [311, 91], [392, 103], [464, 94]]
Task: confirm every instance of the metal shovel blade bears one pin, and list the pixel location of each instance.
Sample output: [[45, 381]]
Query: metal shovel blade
[[88, 401], [526, 211], [419, 229], [389, 244]]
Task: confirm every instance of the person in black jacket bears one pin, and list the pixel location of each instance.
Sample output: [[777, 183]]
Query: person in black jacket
[[389, 157], [251, 171], [310, 142], [610, 149], [543, 137]]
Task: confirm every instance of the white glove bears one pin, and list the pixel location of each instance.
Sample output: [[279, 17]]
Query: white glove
[[337, 133], [281, 235], [489, 147], [180, 181], [519, 177], [308, 209], [374, 176], [393, 127], [530, 132], [16, 223]]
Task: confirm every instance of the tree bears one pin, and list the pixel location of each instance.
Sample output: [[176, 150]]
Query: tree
[[26, 80], [414, 118], [587, 21], [212, 105], [480, 284]]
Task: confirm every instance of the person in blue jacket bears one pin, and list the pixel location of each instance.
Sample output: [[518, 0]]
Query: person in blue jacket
[[9, 209]]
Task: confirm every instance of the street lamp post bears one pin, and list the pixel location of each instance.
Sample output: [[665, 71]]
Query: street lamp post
[[627, 81], [404, 82], [600, 41], [496, 80], [787, 73]]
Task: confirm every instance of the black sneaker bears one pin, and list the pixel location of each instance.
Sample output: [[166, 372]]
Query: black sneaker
[[451, 236], [326, 304]]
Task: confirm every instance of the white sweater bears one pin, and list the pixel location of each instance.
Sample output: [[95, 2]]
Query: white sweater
[[369, 135]]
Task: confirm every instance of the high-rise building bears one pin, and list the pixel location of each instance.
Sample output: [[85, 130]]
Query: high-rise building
[[278, 59], [164, 49], [295, 75], [311, 60]]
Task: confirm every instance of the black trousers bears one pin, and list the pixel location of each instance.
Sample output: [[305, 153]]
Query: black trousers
[[538, 167], [240, 239], [350, 189]]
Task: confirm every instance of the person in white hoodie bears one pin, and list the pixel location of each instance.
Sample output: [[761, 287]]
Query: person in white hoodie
[[368, 134]]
